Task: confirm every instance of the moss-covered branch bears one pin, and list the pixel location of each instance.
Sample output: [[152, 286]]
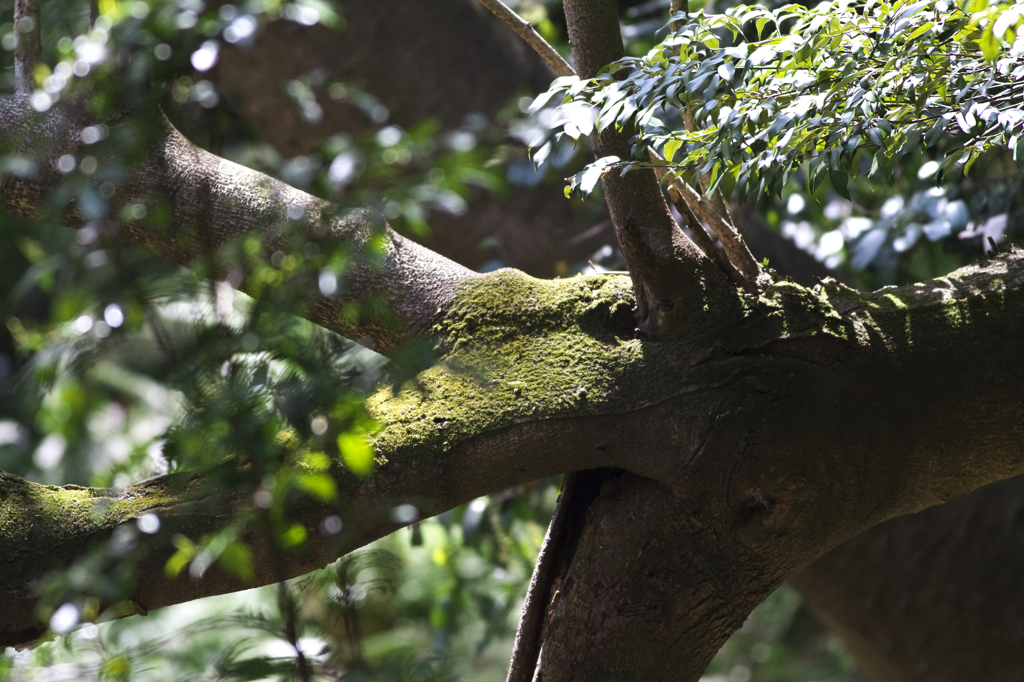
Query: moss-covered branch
[[821, 413]]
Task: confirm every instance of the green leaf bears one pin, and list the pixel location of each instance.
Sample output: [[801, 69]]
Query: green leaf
[[320, 486], [357, 452], [990, 46], [920, 30], [293, 536], [840, 182], [237, 559], [671, 147], [186, 550]]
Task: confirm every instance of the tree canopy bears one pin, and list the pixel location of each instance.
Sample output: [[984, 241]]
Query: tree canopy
[[826, 89]]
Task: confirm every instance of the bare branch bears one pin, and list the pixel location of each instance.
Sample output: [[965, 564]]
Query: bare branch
[[529, 34], [716, 214], [688, 203], [212, 203], [29, 45], [678, 192]]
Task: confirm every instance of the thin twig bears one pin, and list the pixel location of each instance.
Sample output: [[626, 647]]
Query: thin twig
[[29, 45], [716, 214], [682, 196], [712, 211], [530, 35]]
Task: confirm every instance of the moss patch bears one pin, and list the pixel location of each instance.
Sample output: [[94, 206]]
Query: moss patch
[[517, 348], [31, 510]]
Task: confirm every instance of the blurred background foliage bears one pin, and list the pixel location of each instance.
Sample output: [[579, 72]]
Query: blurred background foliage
[[116, 365]]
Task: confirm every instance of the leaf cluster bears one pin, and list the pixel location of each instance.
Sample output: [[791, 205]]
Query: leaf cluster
[[831, 90]]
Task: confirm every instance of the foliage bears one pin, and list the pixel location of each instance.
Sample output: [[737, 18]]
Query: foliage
[[826, 85], [116, 366]]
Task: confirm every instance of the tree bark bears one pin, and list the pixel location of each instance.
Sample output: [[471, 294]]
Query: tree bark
[[389, 294], [753, 443], [672, 279]]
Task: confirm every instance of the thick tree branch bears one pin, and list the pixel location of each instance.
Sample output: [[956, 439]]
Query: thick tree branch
[[527, 32], [933, 596], [542, 377], [389, 294]]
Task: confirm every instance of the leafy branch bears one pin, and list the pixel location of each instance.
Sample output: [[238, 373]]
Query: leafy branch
[[832, 90]]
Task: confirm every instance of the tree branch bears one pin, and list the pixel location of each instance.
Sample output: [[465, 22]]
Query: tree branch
[[716, 214], [526, 31], [687, 202], [658, 563], [930, 596], [543, 377], [390, 293], [29, 45]]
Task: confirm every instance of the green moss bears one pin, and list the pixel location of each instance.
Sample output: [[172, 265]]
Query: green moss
[[517, 348], [55, 513], [509, 304]]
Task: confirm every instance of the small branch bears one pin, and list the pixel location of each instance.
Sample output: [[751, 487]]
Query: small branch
[[529, 34], [291, 629], [741, 261], [526, 648], [716, 214], [671, 276], [29, 45], [676, 189]]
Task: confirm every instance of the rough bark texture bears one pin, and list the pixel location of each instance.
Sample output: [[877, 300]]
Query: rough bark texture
[[772, 431], [722, 502]]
